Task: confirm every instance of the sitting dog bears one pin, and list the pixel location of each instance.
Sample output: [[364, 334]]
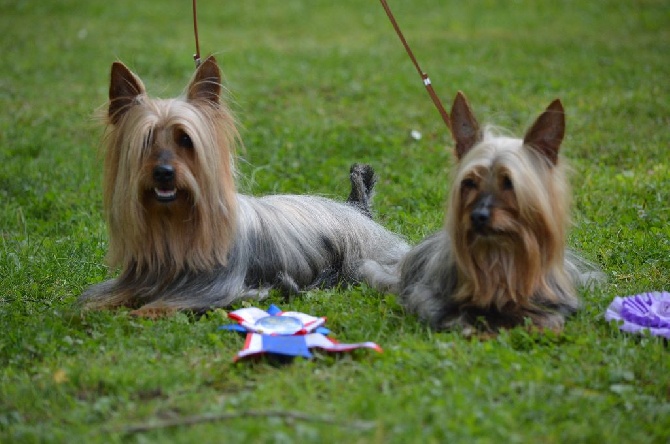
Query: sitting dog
[[501, 258]]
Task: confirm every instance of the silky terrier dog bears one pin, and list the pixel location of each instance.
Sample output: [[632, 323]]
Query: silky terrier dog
[[501, 259], [184, 239]]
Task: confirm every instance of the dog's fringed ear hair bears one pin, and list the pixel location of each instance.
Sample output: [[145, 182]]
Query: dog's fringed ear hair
[[464, 126], [124, 87], [206, 82], [546, 134]]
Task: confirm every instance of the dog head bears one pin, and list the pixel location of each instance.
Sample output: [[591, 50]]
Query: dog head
[[508, 209], [169, 188]]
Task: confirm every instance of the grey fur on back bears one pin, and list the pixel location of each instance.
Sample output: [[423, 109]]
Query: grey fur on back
[[428, 276], [288, 242]]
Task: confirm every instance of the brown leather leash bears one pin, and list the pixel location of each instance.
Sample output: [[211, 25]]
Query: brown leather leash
[[424, 76], [196, 56]]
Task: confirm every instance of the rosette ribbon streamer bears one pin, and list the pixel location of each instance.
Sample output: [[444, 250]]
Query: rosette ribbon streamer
[[289, 333]]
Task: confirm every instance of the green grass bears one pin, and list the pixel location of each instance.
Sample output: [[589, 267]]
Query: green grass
[[318, 85]]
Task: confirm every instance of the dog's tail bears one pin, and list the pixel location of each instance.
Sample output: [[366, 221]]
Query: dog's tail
[[583, 273], [363, 179]]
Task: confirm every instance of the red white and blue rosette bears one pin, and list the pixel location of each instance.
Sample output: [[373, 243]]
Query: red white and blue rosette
[[285, 333], [646, 311], [274, 321]]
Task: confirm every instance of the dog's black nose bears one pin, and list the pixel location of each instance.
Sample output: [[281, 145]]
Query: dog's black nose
[[163, 173], [481, 213], [480, 217]]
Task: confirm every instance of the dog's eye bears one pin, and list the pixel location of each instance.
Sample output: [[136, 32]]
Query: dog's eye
[[469, 184], [184, 140], [507, 183]]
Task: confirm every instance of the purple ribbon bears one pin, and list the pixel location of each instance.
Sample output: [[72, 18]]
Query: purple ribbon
[[646, 311]]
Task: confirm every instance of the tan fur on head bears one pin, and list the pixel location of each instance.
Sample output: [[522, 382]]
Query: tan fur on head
[[522, 190], [196, 136]]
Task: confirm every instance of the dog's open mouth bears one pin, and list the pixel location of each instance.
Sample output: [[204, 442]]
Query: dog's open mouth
[[486, 234], [163, 195]]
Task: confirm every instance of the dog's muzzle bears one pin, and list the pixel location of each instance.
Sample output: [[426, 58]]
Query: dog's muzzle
[[164, 189], [480, 217]]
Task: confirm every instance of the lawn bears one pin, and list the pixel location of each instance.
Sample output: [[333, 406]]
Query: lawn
[[316, 86]]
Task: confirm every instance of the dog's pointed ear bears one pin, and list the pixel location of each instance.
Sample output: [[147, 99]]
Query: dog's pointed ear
[[546, 134], [124, 88], [206, 82], [464, 126]]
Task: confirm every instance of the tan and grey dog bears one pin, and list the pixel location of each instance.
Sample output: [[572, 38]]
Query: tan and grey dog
[[501, 258], [181, 235]]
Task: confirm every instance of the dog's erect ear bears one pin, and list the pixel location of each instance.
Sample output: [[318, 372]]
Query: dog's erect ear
[[546, 134], [124, 88], [464, 126], [206, 82]]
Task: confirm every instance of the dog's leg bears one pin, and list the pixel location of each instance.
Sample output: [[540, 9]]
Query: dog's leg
[[287, 285], [383, 278]]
